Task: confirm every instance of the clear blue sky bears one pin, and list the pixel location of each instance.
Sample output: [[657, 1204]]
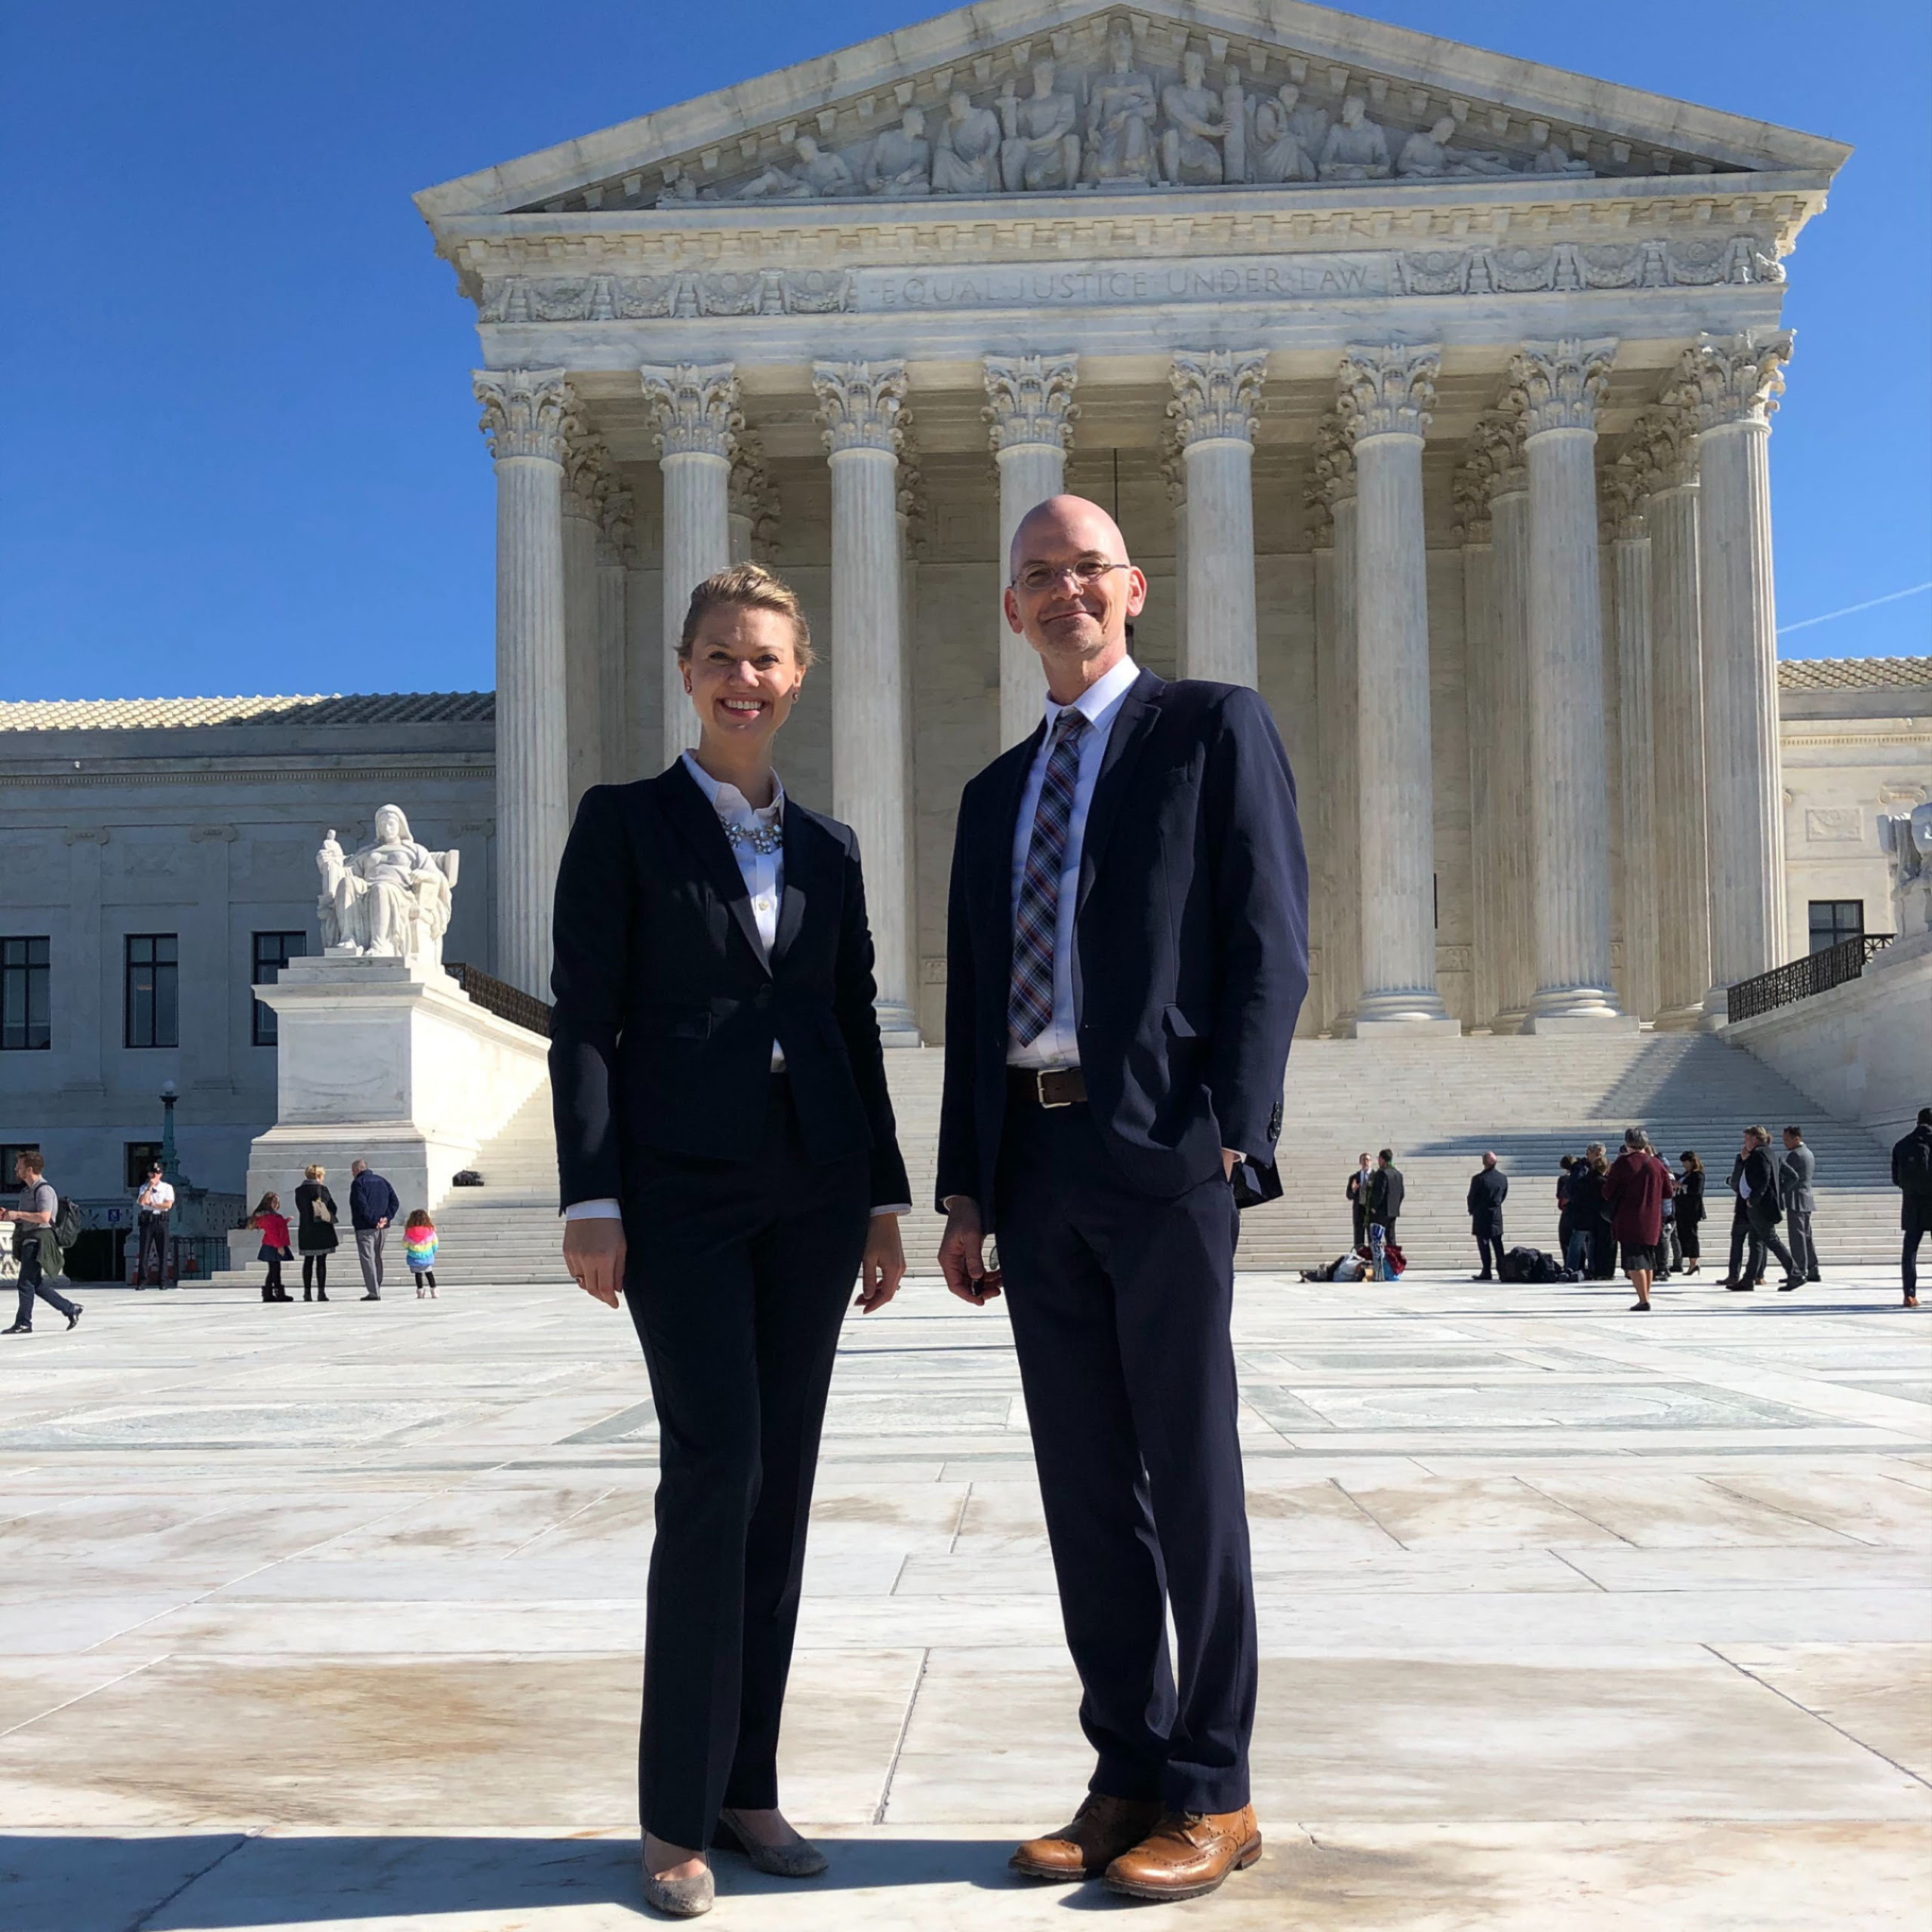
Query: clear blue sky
[[240, 453]]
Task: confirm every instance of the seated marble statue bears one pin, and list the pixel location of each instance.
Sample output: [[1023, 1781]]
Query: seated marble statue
[[1041, 149], [1280, 153], [1356, 149], [1121, 113], [1425, 157], [1555, 158], [1191, 148], [1907, 845], [819, 173], [966, 155], [391, 900], [901, 160]]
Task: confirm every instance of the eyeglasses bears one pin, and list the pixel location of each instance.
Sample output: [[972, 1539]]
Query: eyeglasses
[[1037, 577]]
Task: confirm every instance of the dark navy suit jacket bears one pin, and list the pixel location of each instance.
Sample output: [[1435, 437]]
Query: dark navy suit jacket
[[666, 1011], [1191, 937]]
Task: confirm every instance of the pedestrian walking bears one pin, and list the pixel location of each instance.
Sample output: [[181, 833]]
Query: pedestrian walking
[[1635, 1191], [1487, 1188], [273, 1225], [1794, 1174], [418, 1250], [1385, 1190], [372, 1207], [315, 1215], [155, 1203], [1911, 1175], [1358, 1193], [37, 1248], [1754, 1222], [1689, 1204]]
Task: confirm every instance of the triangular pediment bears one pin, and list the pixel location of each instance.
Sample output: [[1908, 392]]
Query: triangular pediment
[[834, 128]]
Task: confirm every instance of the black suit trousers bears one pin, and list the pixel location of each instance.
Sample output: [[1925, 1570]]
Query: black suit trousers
[[1120, 1304], [737, 1278], [1489, 1247]]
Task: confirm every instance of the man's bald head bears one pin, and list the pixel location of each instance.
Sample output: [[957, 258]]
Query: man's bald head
[[1076, 521], [1072, 591]]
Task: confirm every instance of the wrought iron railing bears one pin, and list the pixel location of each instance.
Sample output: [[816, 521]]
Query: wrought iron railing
[[1816, 972], [498, 996]]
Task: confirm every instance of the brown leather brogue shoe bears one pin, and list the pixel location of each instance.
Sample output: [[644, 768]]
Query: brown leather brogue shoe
[[1188, 1853], [1102, 1829]]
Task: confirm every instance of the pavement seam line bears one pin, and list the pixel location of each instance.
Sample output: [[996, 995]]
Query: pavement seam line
[[1785, 1509], [81, 1697], [959, 1521], [1744, 1670], [905, 1730], [1550, 1550], [141, 1920], [1557, 1502]]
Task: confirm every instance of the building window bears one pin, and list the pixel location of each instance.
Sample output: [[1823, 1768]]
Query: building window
[[23, 998], [142, 1155], [1835, 920], [273, 950], [152, 1007]]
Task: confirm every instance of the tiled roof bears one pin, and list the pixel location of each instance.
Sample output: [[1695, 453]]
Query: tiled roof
[[141, 714], [1852, 674]]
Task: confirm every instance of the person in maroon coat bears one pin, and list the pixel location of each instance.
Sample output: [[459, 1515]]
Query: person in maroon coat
[[1635, 1190]]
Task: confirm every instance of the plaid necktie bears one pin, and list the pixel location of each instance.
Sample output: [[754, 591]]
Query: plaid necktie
[[1029, 999]]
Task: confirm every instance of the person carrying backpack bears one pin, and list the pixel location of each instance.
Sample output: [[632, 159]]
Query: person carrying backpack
[[43, 1225], [1911, 1175]]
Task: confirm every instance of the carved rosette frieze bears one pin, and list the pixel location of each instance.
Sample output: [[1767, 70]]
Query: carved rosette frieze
[[860, 404], [1727, 380], [1559, 384], [1662, 446], [526, 412], [1029, 399], [1388, 390], [694, 408], [1216, 394]]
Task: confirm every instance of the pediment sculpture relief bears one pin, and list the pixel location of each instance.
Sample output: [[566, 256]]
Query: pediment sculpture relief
[[1120, 123]]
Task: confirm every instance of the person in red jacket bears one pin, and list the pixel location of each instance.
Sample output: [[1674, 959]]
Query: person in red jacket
[[1635, 1190]]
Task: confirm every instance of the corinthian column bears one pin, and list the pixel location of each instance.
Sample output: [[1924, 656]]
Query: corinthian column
[[1487, 831], [860, 404], [1624, 486], [1386, 396], [1216, 396], [1731, 384], [1557, 386], [1029, 415], [586, 477], [1666, 445], [614, 543], [526, 413], [695, 410], [1331, 499]]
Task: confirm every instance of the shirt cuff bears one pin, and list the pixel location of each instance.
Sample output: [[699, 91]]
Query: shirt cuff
[[605, 1210], [896, 1207]]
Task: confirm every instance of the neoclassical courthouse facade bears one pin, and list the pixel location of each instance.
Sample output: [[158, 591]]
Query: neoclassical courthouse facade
[[1431, 388]]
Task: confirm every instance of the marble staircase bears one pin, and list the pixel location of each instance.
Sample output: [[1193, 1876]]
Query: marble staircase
[[1438, 1103]]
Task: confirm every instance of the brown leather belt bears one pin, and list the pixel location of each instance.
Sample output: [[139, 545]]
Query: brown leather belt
[[1050, 1087]]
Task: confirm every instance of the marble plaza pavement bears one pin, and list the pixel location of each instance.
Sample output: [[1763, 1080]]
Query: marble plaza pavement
[[330, 1617]]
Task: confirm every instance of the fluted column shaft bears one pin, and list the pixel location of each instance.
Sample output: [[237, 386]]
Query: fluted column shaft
[[1515, 882], [1733, 382], [695, 410], [614, 641], [1029, 415], [1215, 398], [1330, 497], [583, 698], [1560, 384], [525, 415], [1386, 396], [1636, 711], [859, 404], [1487, 833]]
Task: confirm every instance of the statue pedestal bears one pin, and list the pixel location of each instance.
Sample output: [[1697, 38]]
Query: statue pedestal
[[390, 1062]]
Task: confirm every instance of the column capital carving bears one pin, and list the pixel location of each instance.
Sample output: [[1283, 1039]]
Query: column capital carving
[[615, 510], [751, 494], [1216, 394], [1723, 379], [693, 407], [860, 404], [526, 412], [1331, 477], [1387, 390], [1029, 399], [588, 475], [1495, 444], [1623, 489], [1174, 473], [1661, 448], [1557, 385], [1469, 496]]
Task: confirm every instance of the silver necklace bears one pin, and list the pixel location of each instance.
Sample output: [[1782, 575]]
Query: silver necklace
[[765, 839]]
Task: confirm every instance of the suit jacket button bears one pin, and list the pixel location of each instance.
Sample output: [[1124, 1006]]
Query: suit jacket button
[[762, 997]]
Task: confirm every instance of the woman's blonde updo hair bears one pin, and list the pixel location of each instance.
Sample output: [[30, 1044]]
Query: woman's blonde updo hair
[[315, 1171], [756, 589]]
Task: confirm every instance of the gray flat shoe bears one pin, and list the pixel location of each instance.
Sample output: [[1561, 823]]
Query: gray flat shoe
[[801, 1860], [679, 1898]]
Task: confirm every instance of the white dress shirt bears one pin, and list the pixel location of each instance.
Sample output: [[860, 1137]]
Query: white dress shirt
[[1058, 1044], [764, 875], [157, 1197]]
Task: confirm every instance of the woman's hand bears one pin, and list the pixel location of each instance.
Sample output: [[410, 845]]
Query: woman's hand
[[594, 1253], [883, 1266]]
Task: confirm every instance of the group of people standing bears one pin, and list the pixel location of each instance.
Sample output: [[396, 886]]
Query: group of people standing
[[373, 1206]]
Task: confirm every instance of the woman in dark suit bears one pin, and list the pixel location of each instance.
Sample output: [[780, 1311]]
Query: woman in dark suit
[[314, 1232], [1690, 1210], [729, 1161]]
